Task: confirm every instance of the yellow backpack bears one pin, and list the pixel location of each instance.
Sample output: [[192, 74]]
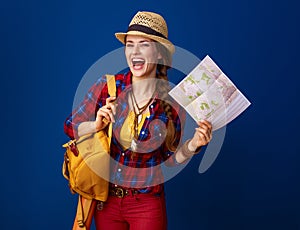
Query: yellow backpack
[[86, 166]]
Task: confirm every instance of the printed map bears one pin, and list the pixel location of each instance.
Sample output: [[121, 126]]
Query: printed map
[[207, 93]]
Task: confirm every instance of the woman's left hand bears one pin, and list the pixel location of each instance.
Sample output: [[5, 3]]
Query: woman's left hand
[[202, 135]]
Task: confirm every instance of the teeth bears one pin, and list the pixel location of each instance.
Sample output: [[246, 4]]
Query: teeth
[[136, 61]]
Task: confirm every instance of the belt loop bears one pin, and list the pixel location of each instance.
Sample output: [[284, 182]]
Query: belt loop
[[135, 194]]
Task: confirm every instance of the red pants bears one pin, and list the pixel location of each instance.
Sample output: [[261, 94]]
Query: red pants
[[132, 212]]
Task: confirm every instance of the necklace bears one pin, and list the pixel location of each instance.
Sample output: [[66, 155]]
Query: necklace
[[137, 117]]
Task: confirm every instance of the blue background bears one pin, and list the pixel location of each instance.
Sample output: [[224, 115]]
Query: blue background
[[47, 46]]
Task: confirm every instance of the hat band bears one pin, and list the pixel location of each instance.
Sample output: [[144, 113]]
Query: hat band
[[145, 29]]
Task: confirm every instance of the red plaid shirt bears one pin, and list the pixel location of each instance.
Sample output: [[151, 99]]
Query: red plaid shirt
[[143, 169]]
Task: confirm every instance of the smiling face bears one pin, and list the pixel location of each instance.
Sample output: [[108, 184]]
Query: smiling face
[[142, 56]]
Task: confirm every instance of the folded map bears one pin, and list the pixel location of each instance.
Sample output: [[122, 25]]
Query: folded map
[[207, 93]]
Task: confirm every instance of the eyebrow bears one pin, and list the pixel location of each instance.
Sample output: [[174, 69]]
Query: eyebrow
[[138, 41]]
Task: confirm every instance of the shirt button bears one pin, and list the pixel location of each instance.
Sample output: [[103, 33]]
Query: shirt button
[[123, 154], [159, 134], [143, 132], [119, 170], [151, 106]]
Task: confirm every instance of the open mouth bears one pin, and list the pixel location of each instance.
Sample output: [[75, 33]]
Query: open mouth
[[138, 63]]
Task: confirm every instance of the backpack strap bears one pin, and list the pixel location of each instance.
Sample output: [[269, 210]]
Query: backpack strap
[[84, 214], [111, 85], [112, 91]]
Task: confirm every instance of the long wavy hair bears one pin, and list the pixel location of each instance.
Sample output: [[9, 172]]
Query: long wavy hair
[[163, 88]]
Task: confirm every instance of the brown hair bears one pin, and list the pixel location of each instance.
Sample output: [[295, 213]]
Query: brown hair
[[163, 88]]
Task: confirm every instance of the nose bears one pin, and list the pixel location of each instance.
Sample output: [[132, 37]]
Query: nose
[[136, 49]]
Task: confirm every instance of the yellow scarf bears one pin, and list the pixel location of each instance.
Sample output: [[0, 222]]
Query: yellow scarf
[[127, 130]]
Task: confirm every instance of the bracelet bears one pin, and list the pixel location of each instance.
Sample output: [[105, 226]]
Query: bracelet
[[186, 152]]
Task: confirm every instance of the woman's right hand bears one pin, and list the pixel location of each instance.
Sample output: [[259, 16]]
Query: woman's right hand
[[105, 114]]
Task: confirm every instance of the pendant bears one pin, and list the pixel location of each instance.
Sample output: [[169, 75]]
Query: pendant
[[133, 145], [139, 118]]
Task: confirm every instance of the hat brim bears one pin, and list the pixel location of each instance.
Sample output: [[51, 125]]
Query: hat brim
[[165, 42]]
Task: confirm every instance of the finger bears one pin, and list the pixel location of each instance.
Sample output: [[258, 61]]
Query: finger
[[109, 113], [203, 135], [113, 108], [104, 112], [205, 123], [202, 139], [204, 129], [110, 104], [210, 136], [102, 115], [206, 126], [110, 100]]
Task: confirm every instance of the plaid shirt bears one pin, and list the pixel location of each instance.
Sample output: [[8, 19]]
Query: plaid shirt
[[141, 169]]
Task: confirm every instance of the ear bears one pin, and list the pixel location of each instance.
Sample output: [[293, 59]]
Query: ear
[[159, 56]]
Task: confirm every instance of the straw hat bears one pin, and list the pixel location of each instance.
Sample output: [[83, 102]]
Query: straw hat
[[150, 25]]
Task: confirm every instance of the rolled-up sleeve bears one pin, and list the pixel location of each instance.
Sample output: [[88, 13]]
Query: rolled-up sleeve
[[87, 109]]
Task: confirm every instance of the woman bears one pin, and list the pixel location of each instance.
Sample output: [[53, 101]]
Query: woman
[[146, 128]]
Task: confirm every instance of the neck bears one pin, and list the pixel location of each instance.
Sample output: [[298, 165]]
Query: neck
[[142, 95], [149, 76], [144, 88]]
